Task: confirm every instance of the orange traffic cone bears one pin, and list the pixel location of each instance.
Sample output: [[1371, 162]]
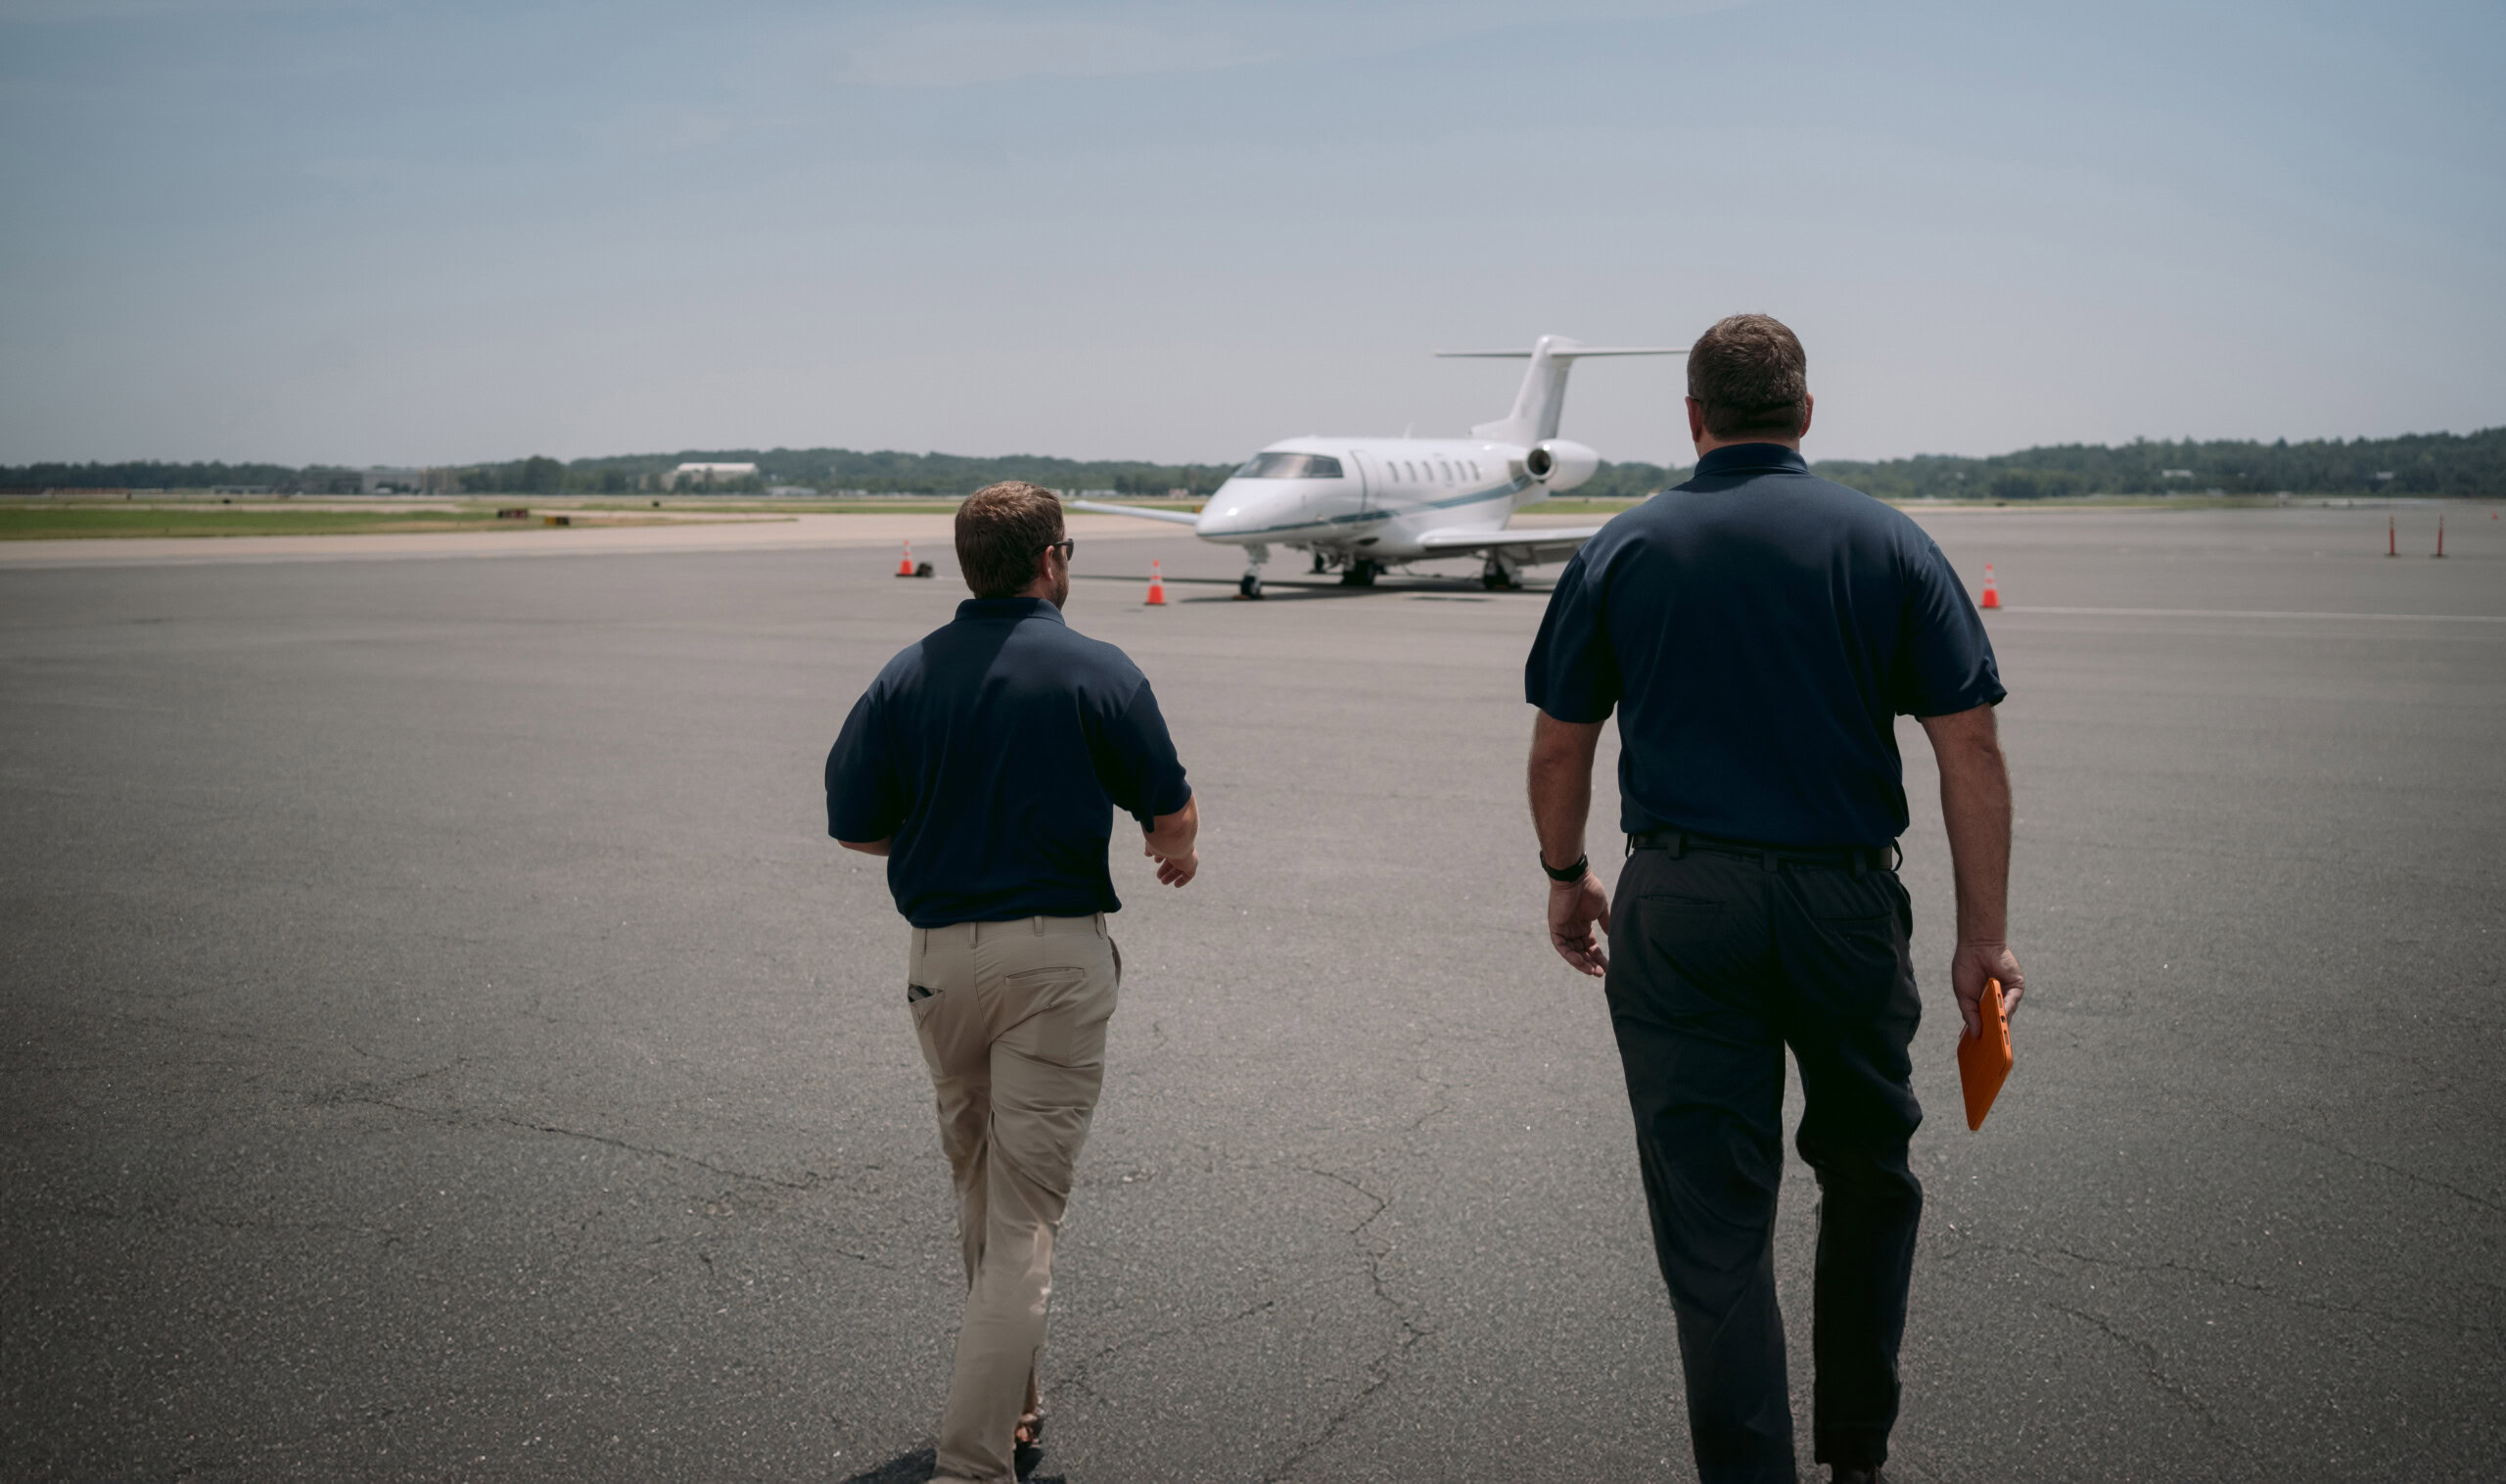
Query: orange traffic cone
[[1156, 586], [1992, 595], [905, 568]]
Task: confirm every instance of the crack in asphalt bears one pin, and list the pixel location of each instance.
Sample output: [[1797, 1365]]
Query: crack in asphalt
[[1385, 1366], [1443, 1090], [1077, 1379], [658, 1152], [2482, 1202], [458, 1120], [2150, 1368], [2223, 1279]]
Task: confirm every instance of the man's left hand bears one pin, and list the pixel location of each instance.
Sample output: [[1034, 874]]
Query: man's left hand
[[1174, 870], [1575, 909]]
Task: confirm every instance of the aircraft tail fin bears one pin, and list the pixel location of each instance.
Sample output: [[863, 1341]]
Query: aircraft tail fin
[[1543, 396]]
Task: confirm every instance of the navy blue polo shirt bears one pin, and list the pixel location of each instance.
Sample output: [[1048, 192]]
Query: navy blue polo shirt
[[995, 752], [1758, 630]]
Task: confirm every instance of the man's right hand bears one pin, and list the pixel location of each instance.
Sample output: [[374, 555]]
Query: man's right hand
[[1969, 967]]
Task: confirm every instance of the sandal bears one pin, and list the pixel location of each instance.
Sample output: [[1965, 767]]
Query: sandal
[[1027, 1444]]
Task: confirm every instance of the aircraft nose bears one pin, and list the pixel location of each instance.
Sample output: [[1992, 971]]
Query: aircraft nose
[[1228, 513]]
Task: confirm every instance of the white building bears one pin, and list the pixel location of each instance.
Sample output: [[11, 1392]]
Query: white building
[[707, 475]]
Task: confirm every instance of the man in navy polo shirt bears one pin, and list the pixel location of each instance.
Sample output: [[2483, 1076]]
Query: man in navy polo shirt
[[1758, 630], [986, 762]]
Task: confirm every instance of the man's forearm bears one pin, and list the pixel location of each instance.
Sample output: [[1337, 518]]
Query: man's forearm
[[1173, 835], [869, 846], [1562, 785], [1974, 805]]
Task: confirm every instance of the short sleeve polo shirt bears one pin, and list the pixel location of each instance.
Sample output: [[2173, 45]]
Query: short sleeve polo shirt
[[993, 753], [1758, 629]]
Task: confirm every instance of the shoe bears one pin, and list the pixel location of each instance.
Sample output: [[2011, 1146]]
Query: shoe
[[1027, 1445]]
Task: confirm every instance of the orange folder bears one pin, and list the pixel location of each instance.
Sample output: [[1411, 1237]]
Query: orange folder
[[1983, 1061]]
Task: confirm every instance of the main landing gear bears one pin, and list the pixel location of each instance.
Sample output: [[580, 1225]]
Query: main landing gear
[[1502, 574], [1249, 586], [1354, 570]]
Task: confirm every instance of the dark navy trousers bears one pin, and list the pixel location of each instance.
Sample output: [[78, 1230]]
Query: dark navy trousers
[[1718, 962]]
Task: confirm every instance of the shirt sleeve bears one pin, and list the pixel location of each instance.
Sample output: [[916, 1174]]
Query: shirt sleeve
[[1945, 658], [864, 796], [1136, 762], [1573, 673]]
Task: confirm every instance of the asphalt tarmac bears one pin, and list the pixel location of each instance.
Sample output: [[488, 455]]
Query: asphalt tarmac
[[441, 1042]]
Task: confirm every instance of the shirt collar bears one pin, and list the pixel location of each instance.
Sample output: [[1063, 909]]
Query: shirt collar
[[1013, 609], [1751, 459]]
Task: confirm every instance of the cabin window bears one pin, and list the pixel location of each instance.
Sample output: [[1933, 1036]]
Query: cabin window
[[1289, 465]]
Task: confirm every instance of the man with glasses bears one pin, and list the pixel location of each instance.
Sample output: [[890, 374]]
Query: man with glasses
[[986, 762]]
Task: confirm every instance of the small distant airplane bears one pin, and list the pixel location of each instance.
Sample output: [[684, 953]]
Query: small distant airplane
[[1361, 504]]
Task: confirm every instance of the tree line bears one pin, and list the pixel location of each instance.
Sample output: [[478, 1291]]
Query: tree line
[[2471, 465]]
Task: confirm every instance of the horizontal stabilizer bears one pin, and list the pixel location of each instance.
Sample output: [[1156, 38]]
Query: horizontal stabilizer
[[1534, 418], [1176, 517], [1563, 352]]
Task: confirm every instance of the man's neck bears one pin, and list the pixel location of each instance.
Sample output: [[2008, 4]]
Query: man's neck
[[1707, 446]]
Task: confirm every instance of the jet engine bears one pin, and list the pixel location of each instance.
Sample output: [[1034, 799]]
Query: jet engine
[[1559, 464]]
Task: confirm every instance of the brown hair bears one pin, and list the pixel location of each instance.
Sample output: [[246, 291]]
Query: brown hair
[[1751, 376], [1000, 530]]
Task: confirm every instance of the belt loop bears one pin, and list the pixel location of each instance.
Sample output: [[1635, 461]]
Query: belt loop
[[1678, 844], [1631, 845], [1039, 925], [1861, 861]]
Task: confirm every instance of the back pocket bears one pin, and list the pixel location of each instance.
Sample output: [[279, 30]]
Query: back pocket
[[1052, 1015]]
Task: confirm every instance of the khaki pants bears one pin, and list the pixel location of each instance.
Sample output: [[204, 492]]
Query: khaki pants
[[1013, 1028]]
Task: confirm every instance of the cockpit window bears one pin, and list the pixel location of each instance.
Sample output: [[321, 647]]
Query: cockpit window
[[1290, 466]]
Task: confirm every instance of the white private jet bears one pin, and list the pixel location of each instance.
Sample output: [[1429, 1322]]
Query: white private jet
[[1361, 504]]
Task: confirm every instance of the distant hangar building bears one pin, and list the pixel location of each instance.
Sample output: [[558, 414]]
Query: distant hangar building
[[707, 475]]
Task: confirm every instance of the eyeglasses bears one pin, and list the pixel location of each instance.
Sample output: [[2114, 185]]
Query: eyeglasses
[[1069, 548]]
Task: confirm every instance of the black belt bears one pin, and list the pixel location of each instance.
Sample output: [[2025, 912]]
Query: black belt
[[1856, 859]]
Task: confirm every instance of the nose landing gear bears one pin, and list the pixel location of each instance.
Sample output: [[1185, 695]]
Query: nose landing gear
[[1248, 587]]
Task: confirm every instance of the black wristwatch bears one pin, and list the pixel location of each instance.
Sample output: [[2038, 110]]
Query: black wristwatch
[[1573, 872]]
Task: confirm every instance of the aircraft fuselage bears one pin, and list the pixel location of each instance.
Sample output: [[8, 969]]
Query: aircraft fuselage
[[1370, 497]]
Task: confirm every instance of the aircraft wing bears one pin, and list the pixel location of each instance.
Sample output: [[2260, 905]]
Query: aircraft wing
[[1178, 516], [1532, 544]]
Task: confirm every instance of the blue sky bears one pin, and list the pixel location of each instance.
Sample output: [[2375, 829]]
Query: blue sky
[[384, 232]]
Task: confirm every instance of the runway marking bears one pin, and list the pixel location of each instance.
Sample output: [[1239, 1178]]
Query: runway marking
[[2260, 613]]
